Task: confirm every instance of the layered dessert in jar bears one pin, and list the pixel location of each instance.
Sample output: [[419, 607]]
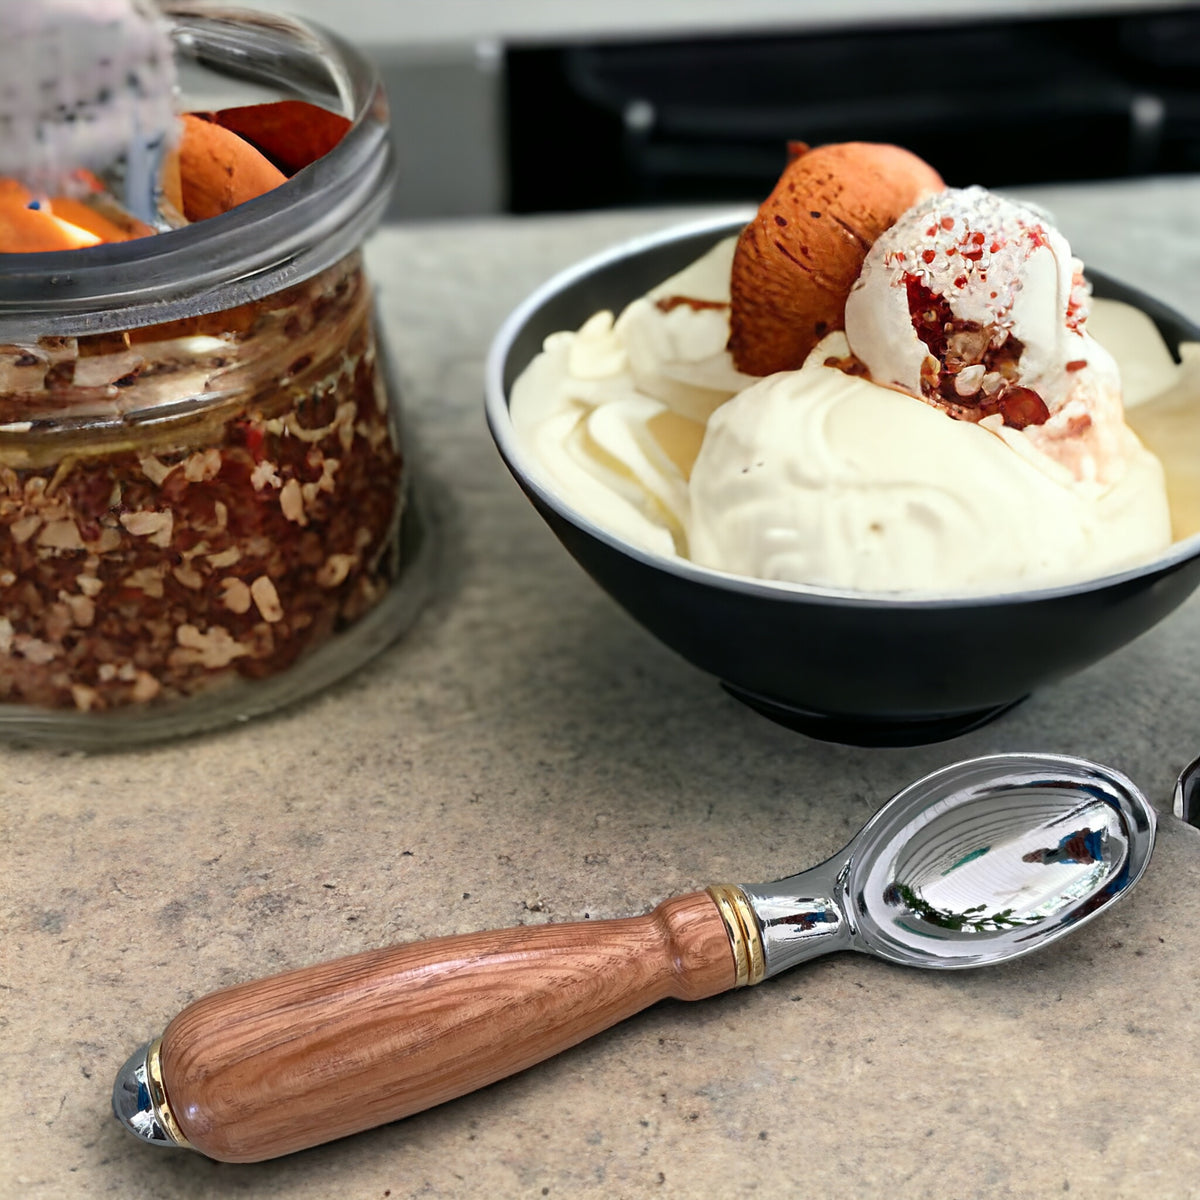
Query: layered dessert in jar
[[182, 503], [208, 500], [883, 385]]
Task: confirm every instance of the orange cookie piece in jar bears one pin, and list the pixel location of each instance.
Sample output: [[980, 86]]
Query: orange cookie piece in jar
[[219, 170], [291, 133], [26, 230]]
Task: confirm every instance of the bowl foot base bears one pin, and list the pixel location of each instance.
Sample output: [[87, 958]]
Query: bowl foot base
[[868, 730]]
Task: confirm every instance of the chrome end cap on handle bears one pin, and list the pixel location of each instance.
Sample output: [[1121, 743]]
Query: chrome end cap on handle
[[139, 1102]]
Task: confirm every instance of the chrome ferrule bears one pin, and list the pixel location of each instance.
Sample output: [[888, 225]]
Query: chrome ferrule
[[803, 916]]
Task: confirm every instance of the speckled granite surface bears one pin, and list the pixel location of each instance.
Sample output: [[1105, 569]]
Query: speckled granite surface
[[528, 753]]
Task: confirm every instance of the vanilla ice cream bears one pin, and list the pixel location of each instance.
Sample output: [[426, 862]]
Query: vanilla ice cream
[[975, 303], [821, 476], [615, 413]]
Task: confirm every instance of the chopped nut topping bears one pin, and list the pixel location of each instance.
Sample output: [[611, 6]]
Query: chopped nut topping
[[34, 649], [98, 371], [108, 541], [969, 380], [60, 535], [265, 475], [148, 580], [236, 595], [335, 569], [228, 541], [266, 599], [213, 649], [154, 470], [24, 528], [189, 577], [291, 501], [83, 610], [204, 464], [156, 526], [58, 622]]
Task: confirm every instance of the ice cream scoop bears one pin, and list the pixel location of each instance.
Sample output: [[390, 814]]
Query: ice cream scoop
[[974, 303], [978, 863], [798, 257], [821, 477]]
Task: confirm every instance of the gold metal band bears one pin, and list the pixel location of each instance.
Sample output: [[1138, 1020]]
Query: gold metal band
[[158, 1094], [748, 958]]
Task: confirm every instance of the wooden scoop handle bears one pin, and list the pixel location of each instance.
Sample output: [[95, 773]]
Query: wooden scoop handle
[[280, 1064]]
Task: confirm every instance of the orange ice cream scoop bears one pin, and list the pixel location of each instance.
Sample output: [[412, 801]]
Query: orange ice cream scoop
[[219, 170], [798, 258]]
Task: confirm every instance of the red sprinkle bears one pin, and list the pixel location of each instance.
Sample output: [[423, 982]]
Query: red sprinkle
[[670, 303], [254, 442], [947, 222], [928, 256], [1077, 364]]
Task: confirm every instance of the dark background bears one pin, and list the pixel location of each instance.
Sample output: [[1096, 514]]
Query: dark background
[[996, 103]]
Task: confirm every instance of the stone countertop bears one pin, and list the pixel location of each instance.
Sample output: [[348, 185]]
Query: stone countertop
[[527, 753]]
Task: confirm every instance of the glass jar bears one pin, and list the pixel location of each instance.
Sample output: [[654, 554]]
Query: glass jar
[[205, 506]]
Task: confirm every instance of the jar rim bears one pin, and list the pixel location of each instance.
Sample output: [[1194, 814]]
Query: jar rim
[[280, 238]]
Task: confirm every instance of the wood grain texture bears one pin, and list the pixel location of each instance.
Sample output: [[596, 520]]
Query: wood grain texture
[[280, 1064]]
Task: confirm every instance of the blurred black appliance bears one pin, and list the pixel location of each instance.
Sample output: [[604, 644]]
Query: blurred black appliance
[[994, 102]]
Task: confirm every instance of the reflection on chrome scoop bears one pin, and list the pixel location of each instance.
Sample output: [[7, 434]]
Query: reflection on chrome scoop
[[981, 861], [1027, 873]]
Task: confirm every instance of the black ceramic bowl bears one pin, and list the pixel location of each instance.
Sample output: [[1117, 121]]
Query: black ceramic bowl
[[861, 668]]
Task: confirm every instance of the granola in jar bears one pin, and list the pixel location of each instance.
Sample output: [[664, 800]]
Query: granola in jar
[[188, 503]]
